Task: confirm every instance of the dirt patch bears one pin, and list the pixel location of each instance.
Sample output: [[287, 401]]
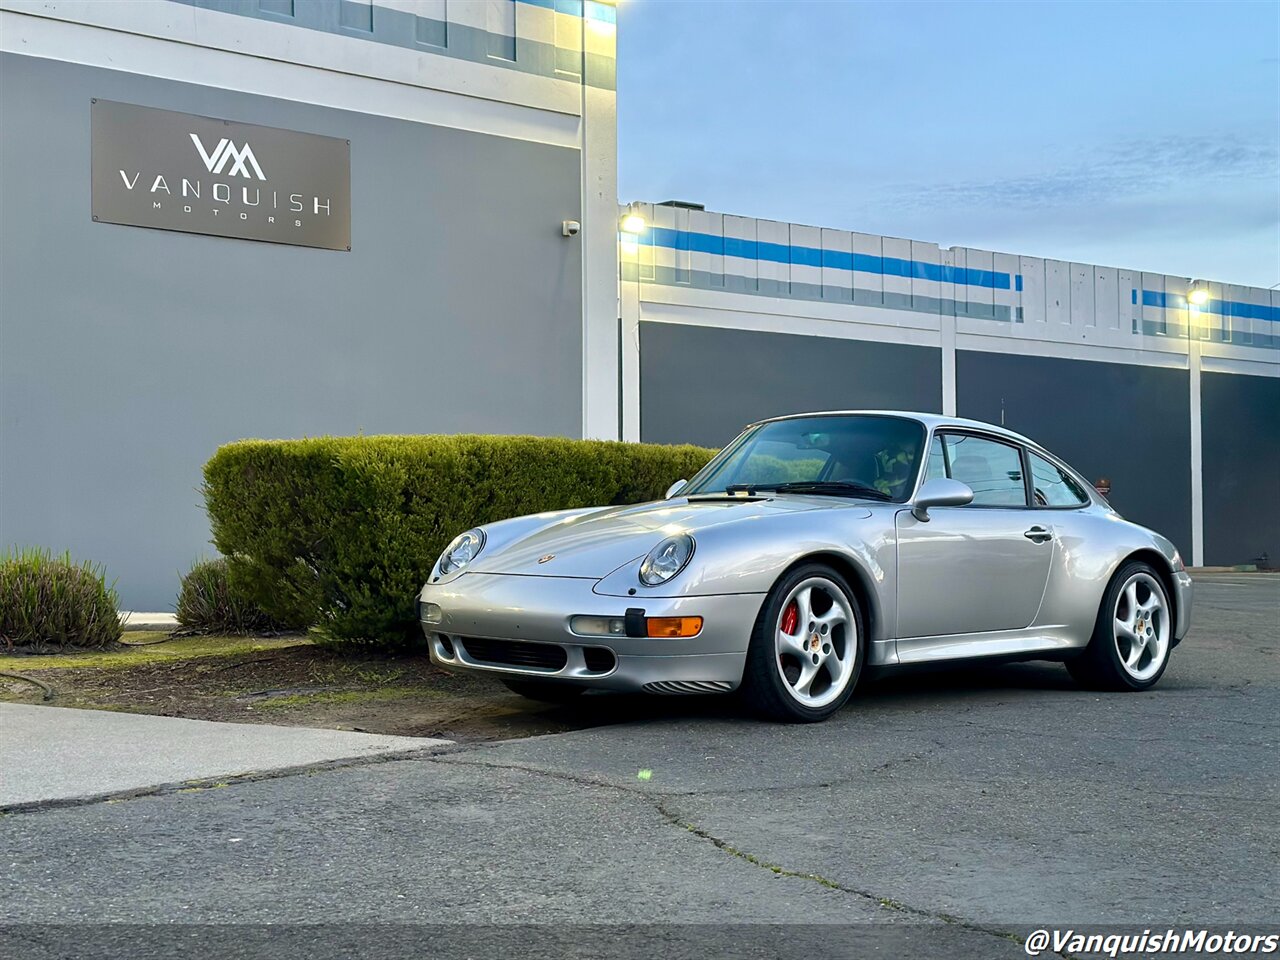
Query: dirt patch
[[288, 680]]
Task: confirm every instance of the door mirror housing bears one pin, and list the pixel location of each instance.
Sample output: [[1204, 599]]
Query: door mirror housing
[[940, 492], [674, 489]]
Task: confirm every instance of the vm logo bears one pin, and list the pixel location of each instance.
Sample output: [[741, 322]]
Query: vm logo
[[226, 150]]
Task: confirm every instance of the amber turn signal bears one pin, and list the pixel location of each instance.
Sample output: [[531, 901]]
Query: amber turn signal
[[669, 627]]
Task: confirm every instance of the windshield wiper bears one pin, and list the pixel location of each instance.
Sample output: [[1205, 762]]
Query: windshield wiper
[[837, 488]]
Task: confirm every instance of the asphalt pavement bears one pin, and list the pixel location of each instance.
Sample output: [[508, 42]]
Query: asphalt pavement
[[964, 806]]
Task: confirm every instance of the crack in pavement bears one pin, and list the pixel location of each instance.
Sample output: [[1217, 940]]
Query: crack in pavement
[[657, 802], [887, 903], [209, 783], [853, 777]]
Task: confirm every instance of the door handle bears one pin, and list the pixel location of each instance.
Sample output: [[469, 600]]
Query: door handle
[[1038, 534]]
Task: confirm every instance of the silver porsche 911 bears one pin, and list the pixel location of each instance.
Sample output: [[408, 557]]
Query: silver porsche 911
[[810, 549]]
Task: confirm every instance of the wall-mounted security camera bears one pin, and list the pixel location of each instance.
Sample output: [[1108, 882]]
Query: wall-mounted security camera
[[570, 228]]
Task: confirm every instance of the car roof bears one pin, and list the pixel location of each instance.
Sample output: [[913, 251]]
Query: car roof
[[930, 420]]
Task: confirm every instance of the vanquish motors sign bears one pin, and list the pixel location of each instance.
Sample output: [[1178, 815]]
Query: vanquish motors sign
[[175, 171]]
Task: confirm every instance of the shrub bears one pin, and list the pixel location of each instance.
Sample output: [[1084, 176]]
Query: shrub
[[342, 532], [49, 602], [209, 603]]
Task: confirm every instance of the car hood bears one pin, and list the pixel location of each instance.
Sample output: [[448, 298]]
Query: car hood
[[594, 544]]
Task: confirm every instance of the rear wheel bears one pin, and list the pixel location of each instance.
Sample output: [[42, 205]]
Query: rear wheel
[[806, 649], [1132, 638], [545, 691]]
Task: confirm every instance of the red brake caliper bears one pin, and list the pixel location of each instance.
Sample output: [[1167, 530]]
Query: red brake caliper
[[789, 617]]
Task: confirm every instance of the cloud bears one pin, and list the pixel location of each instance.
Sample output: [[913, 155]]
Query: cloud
[[1231, 233], [1127, 170]]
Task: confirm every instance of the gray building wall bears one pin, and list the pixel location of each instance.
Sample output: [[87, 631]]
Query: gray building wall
[[1241, 437], [704, 384], [127, 355], [1126, 422]]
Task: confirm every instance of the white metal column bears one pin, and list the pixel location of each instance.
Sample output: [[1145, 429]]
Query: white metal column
[[629, 323], [1197, 457], [947, 340], [599, 240]]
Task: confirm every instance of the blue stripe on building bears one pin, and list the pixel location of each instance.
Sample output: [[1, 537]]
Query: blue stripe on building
[[591, 9], [690, 240], [1223, 308]]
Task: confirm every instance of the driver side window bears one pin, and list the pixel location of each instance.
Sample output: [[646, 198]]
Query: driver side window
[[992, 469]]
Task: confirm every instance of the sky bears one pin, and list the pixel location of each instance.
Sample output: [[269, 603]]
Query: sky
[[1136, 135]]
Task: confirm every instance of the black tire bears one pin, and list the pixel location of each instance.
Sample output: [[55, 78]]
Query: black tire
[[763, 689], [1100, 667], [545, 691]]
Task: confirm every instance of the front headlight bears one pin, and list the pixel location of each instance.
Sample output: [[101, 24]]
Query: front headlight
[[666, 560], [464, 548]]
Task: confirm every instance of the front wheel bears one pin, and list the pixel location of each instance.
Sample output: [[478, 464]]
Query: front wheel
[[544, 691], [1133, 635], [806, 649]]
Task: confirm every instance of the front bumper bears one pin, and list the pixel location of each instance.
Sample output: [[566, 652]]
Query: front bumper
[[1184, 591], [518, 626]]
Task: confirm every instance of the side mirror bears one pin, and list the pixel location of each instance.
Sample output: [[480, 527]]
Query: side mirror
[[674, 489], [940, 492]]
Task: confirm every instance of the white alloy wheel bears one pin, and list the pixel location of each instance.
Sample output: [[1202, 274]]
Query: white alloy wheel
[[816, 642], [1141, 626]]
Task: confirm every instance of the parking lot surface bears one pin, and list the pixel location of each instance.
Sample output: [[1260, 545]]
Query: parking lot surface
[[988, 801]]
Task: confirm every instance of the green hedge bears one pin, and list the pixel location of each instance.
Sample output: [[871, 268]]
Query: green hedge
[[341, 532], [208, 602], [49, 602]]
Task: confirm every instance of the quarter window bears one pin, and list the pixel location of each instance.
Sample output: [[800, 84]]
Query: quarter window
[[1054, 487], [937, 466], [992, 470]]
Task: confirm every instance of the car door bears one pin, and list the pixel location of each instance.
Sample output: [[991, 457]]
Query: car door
[[977, 568]]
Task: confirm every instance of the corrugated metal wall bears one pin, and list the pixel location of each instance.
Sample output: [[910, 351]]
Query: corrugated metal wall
[[1049, 299]]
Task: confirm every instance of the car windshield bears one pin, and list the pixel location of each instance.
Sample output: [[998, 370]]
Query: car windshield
[[857, 455]]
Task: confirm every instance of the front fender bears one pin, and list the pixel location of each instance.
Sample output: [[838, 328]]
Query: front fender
[[749, 558]]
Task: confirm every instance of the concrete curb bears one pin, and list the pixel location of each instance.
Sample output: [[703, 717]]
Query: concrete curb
[[135, 620], [442, 748], [1238, 568], [52, 753]]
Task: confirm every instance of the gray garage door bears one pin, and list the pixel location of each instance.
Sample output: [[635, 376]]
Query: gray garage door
[[702, 384]]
